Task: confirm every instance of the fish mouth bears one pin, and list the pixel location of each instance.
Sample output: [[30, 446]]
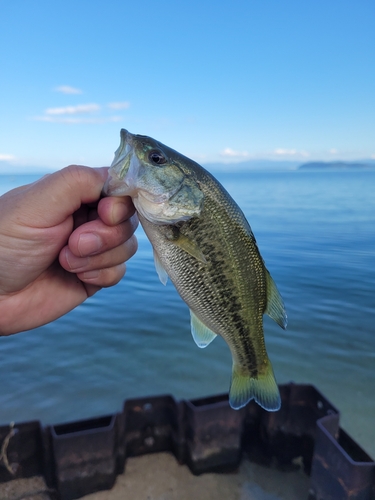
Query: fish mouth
[[125, 174], [115, 186], [118, 182]]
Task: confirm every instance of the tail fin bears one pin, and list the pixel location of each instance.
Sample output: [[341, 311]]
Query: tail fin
[[262, 389]]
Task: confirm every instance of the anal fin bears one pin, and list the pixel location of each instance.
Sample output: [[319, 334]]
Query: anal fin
[[275, 306]]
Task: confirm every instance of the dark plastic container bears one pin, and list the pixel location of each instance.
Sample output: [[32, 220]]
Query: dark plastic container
[[21, 451], [341, 470], [213, 434], [151, 425], [289, 433], [85, 456]]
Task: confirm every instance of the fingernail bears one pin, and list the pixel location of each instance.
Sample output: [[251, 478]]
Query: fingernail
[[89, 243], [76, 263], [120, 211], [89, 275]]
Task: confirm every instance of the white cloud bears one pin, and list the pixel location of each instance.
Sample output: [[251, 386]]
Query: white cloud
[[333, 151], [67, 89], [79, 119], [80, 113], [119, 105], [73, 110], [291, 152], [230, 153], [305, 154], [285, 152], [373, 156], [6, 157]]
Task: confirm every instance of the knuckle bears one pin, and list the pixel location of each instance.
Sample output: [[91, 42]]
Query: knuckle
[[111, 276]]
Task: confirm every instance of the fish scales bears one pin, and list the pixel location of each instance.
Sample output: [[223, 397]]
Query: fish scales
[[222, 292], [203, 242]]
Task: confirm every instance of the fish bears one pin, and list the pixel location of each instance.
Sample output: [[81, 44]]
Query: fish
[[202, 241]]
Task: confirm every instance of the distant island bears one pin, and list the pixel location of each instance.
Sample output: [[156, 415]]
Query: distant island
[[334, 164]]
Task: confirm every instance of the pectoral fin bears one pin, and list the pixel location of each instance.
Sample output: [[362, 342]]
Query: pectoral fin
[[201, 334], [162, 273], [189, 246], [275, 305]]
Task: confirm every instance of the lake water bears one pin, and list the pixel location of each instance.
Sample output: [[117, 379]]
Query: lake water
[[316, 232]]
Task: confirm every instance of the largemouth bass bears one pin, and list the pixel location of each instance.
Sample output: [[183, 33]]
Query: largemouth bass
[[203, 242]]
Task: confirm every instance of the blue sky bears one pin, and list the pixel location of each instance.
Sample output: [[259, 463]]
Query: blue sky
[[216, 80]]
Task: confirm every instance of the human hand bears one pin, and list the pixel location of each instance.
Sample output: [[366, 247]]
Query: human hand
[[59, 244]]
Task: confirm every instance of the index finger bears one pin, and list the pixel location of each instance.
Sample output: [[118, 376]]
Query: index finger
[[115, 209]]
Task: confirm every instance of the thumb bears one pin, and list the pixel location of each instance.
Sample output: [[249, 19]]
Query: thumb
[[53, 198]]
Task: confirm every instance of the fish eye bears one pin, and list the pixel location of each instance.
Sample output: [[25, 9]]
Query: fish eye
[[157, 157]]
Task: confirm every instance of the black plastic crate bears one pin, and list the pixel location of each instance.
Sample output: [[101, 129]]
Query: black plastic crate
[[85, 456], [341, 469], [213, 434], [289, 433], [151, 425], [21, 451]]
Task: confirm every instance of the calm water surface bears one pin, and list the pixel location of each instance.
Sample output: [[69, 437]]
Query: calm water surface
[[316, 232]]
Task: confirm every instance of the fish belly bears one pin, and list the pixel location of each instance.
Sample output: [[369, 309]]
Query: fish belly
[[227, 293]]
